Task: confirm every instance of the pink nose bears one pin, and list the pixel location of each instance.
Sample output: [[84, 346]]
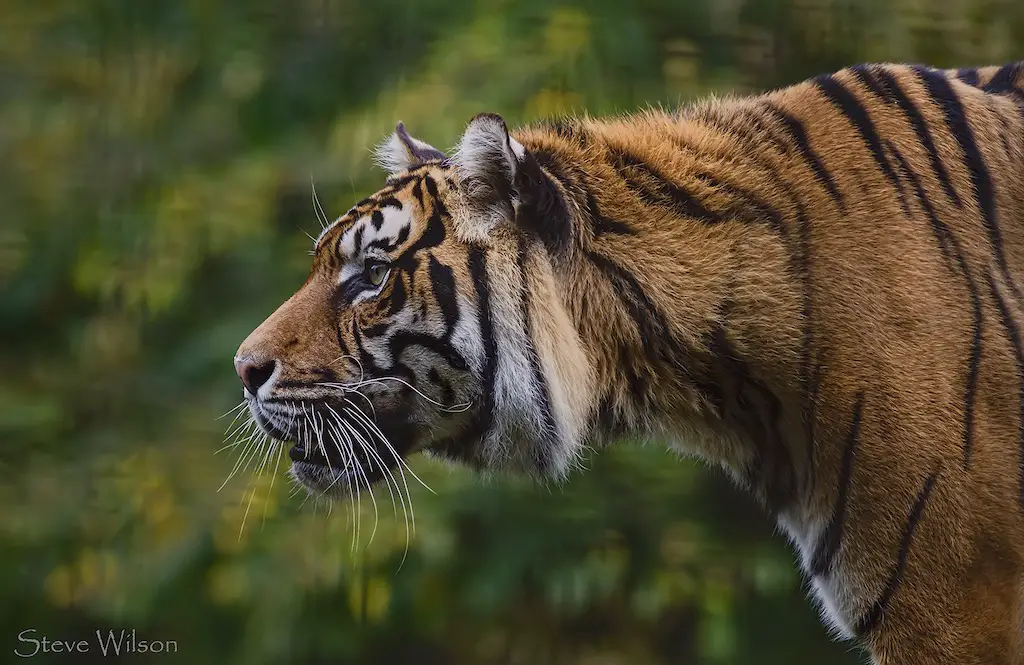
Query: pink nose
[[253, 374]]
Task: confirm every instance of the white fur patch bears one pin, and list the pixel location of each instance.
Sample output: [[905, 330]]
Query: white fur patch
[[517, 148], [392, 155], [401, 152], [395, 220], [521, 426]]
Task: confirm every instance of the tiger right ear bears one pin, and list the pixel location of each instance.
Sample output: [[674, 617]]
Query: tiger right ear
[[401, 152]]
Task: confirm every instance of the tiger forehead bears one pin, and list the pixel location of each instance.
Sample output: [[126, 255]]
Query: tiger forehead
[[385, 212]]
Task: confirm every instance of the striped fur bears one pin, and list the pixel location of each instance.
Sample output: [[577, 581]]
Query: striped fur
[[817, 289]]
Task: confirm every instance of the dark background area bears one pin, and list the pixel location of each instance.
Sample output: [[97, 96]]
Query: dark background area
[[154, 198]]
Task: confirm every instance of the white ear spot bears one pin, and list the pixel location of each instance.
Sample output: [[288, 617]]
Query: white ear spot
[[486, 162], [517, 148], [401, 152]]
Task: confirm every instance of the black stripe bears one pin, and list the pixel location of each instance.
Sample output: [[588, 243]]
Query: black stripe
[[432, 190], [484, 419], [417, 192], [368, 364], [798, 135], [339, 234], [393, 184], [653, 188], [752, 207], [870, 620], [542, 208], [756, 412], [389, 245], [447, 392], [599, 223], [765, 132], [342, 346], [954, 255], [637, 375], [1013, 332], [570, 130], [1007, 131], [1004, 80], [538, 378], [968, 76], [746, 205], [813, 381], [858, 116], [377, 219], [888, 88], [442, 281], [810, 371], [403, 339], [959, 126], [432, 236], [660, 346], [398, 295], [832, 537], [357, 240]]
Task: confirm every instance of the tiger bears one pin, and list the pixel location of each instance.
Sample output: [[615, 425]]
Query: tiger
[[813, 288]]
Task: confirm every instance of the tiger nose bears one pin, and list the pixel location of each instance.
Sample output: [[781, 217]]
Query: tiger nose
[[254, 374]]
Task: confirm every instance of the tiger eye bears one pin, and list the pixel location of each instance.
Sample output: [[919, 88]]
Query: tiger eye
[[377, 273]]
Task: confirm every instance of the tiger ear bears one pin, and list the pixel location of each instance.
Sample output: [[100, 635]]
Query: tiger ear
[[401, 152], [487, 162]]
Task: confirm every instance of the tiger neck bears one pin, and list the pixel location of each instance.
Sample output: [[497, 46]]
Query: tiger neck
[[706, 354]]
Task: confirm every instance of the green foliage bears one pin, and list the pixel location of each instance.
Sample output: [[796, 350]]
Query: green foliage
[[156, 194]]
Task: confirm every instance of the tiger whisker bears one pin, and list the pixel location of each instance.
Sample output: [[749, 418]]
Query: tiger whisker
[[373, 500], [410, 514], [252, 494], [256, 449], [270, 492], [243, 425], [321, 216], [254, 484], [359, 380], [354, 386], [251, 444], [242, 431], [230, 411], [389, 477], [362, 417], [357, 506], [352, 492]]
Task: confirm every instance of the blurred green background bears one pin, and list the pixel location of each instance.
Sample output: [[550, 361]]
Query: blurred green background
[[154, 198]]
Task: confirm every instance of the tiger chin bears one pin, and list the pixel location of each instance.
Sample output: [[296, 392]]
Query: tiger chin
[[817, 288]]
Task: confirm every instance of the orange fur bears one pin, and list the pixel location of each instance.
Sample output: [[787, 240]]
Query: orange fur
[[817, 288]]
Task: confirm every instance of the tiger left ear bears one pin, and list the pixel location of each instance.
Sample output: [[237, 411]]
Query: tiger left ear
[[487, 162], [401, 152]]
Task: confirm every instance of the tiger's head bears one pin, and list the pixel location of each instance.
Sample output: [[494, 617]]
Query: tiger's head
[[430, 321]]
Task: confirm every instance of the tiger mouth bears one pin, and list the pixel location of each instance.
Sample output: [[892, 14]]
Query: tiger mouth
[[327, 453], [358, 463]]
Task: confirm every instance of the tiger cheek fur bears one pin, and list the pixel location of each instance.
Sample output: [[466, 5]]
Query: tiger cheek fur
[[816, 289]]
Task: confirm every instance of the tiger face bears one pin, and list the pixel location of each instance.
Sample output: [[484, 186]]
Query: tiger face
[[383, 351]]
